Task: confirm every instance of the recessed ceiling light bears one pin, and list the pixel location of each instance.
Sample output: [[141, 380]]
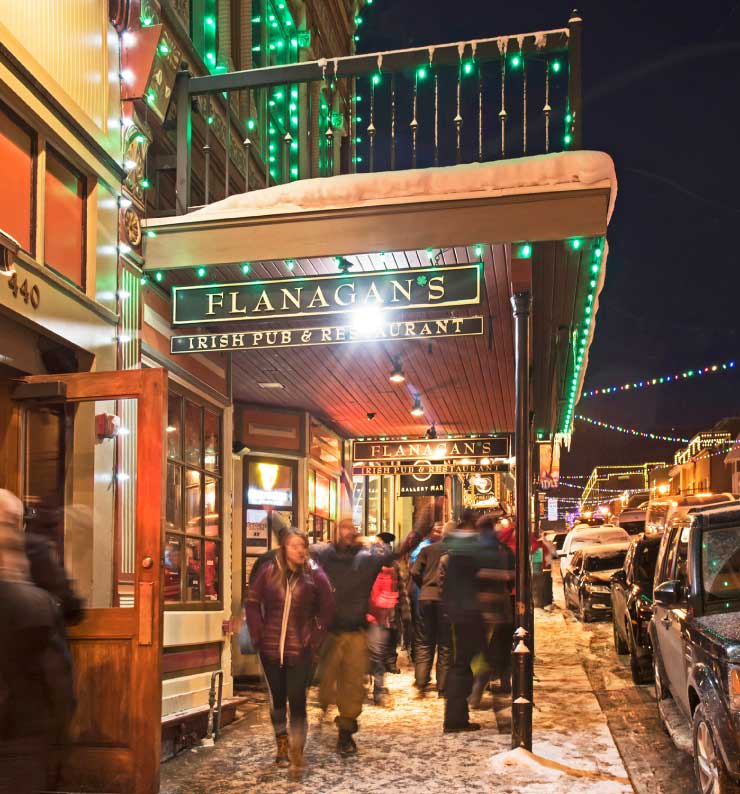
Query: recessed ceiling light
[[271, 385]]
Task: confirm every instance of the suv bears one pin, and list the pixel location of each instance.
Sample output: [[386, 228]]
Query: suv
[[695, 634], [632, 519], [660, 512], [632, 606]]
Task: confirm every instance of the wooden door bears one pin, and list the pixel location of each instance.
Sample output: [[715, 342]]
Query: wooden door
[[108, 512]]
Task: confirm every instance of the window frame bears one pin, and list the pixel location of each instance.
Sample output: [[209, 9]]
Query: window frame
[[184, 466], [32, 133], [50, 149]]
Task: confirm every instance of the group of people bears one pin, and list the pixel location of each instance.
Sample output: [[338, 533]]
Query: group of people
[[335, 612]]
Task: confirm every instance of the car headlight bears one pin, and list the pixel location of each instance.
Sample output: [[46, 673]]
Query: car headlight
[[598, 588], [734, 687]]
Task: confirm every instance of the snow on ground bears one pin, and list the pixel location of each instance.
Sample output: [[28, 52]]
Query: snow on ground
[[403, 750], [540, 173]]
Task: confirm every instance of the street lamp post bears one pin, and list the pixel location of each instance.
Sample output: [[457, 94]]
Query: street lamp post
[[523, 647]]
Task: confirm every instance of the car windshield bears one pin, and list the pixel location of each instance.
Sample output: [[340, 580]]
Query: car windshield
[[720, 565], [606, 562]]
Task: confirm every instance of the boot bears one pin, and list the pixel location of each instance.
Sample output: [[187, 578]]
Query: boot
[[345, 743], [281, 757], [296, 760], [382, 698]]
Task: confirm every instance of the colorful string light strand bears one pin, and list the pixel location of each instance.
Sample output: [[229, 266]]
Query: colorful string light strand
[[643, 384], [631, 431]]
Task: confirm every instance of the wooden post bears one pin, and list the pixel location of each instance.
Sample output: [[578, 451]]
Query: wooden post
[[184, 139], [575, 91]]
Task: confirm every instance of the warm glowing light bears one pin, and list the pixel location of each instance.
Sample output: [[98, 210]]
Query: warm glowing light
[[268, 473]]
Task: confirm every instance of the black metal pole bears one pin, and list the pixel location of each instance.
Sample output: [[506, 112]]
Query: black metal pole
[[184, 140], [575, 91], [523, 650]]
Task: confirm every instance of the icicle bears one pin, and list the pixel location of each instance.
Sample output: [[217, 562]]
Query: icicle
[[430, 50], [227, 147], [414, 123], [502, 112], [474, 47], [371, 126], [436, 119], [503, 44], [321, 63], [540, 39], [380, 61], [458, 116], [335, 61], [520, 41], [524, 104], [393, 121], [480, 112], [247, 144]]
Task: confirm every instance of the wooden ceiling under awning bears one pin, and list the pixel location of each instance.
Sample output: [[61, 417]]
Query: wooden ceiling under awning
[[466, 385]]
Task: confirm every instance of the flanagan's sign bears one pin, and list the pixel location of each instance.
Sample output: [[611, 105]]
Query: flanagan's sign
[[432, 449], [425, 468], [314, 295], [328, 335]]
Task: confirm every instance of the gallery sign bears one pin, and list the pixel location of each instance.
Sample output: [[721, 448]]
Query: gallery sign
[[423, 330], [421, 485], [432, 449], [418, 288]]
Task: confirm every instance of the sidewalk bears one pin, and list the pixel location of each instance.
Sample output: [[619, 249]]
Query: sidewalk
[[402, 750]]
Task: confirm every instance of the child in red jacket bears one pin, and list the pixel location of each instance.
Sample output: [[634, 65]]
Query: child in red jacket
[[383, 600]]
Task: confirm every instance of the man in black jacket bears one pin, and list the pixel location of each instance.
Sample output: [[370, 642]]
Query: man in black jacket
[[432, 624], [352, 570]]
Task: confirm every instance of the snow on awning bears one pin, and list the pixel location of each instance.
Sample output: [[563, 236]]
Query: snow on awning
[[524, 175]]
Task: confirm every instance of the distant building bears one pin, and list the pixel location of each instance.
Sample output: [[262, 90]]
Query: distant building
[[607, 483], [732, 461], [700, 466]]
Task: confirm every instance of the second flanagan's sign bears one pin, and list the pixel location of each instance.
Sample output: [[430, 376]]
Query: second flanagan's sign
[[432, 449], [314, 295]]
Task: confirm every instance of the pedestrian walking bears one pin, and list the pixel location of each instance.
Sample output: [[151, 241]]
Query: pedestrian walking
[[460, 599], [289, 607], [352, 570], [383, 601], [28, 621], [433, 632], [495, 577]]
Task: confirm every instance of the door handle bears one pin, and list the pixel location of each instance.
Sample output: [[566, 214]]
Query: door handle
[[665, 621]]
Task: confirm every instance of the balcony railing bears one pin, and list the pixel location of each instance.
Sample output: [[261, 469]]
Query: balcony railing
[[447, 104]]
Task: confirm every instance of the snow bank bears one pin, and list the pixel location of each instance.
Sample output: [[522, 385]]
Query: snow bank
[[542, 173], [524, 760]]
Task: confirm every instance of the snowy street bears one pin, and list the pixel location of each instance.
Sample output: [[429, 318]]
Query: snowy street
[[582, 689]]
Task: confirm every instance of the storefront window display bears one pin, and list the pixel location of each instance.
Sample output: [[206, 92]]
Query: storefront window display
[[373, 504], [322, 506], [193, 524], [269, 505]]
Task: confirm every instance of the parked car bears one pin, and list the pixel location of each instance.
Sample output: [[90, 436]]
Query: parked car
[[586, 580], [660, 512], [581, 536], [695, 634], [632, 606], [632, 518]]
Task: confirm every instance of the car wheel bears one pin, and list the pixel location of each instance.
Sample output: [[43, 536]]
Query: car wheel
[[620, 646], [709, 768], [661, 689], [640, 668], [583, 614]]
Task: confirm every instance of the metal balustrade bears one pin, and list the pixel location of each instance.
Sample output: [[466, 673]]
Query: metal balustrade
[[480, 100]]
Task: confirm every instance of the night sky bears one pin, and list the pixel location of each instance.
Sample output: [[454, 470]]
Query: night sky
[[661, 93]]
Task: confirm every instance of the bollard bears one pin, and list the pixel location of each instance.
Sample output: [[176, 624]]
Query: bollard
[[521, 703], [214, 709]]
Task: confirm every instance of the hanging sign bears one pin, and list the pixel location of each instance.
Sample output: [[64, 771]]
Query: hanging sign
[[432, 449], [552, 508], [328, 335], [426, 468], [307, 296], [421, 485]]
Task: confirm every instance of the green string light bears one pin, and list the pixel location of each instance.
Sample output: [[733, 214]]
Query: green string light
[[201, 272], [159, 276], [468, 67], [246, 268], [525, 251], [515, 61]]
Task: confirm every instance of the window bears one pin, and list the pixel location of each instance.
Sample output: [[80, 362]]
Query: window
[[193, 522], [322, 506], [720, 566], [17, 160], [64, 219], [269, 505]]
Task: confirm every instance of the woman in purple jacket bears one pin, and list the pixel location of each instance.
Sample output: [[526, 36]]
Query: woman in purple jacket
[[289, 606]]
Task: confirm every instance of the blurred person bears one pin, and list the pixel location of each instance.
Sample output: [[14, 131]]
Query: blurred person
[[402, 608], [289, 606], [382, 606], [49, 574], [352, 570], [495, 576], [28, 621], [461, 603], [433, 633]]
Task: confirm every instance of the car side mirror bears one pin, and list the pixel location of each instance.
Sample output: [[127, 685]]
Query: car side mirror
[[667, 594], [558, 554]]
